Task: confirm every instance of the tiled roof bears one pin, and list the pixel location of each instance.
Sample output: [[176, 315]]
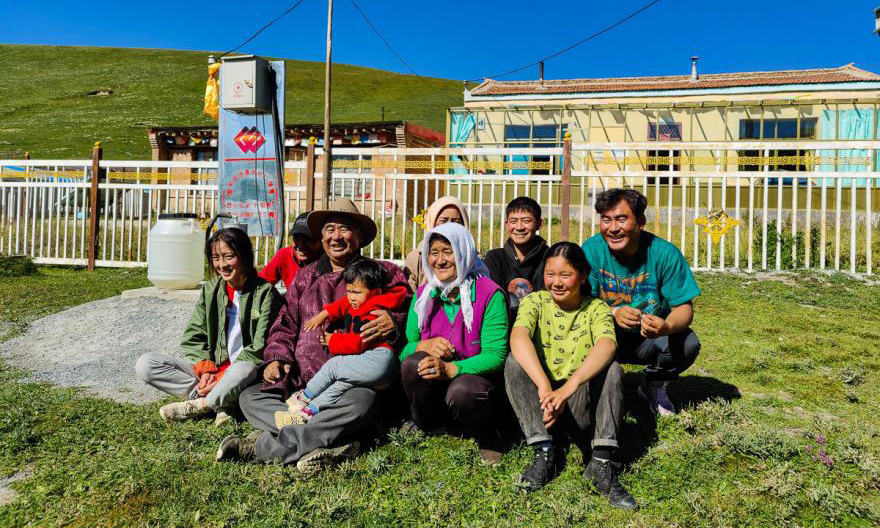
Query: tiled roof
[[846, 73]]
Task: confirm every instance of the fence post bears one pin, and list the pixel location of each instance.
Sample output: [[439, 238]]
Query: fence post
[[310, 175], [566, 185], [93, 205]]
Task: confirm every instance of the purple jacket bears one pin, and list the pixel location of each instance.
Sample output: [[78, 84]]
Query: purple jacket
[[314, 286]]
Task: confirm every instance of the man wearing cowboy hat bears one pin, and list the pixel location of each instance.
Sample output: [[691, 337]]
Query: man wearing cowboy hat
[[293, 355]]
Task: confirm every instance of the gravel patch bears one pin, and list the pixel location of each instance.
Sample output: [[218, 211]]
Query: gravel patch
[[95, 345]]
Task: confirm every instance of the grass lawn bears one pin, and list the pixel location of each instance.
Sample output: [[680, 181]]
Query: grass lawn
[[788, 368], [46, 107]]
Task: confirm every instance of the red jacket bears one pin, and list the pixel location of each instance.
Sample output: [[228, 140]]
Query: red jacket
[[350, 342], [283, 266]]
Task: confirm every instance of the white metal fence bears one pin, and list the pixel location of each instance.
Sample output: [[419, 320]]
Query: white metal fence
[[817, 216]]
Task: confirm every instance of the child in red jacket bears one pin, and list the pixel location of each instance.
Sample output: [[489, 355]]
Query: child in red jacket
[[354, 363]]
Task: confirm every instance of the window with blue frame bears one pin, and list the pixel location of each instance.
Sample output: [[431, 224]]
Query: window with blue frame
[[771, 129], [533, 136]]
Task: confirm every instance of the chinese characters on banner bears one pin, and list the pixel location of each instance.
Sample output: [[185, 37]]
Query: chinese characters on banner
[[248, 178]]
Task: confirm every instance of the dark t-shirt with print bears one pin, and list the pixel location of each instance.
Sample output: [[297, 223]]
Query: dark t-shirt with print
[[656, 279]]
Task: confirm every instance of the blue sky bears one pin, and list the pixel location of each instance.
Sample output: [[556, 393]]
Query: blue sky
[[467, 40]]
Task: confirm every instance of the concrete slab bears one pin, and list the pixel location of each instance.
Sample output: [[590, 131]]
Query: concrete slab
[[161, 293]]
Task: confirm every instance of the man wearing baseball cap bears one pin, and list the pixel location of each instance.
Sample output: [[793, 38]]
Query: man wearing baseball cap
[[304, 250]]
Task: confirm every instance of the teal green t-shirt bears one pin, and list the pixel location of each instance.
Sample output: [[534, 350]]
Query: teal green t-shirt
[[657, 278]]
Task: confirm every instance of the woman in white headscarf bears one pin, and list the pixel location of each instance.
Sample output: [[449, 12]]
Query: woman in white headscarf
[[456, 334], [444, 209]]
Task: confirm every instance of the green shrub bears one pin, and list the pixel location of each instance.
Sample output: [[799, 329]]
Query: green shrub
[[16, 266], [786, 242]]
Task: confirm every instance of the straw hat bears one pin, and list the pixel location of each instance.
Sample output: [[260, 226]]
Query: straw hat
[[343, 206]]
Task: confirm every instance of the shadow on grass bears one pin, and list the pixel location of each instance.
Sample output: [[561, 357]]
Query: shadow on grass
[[637, 436]]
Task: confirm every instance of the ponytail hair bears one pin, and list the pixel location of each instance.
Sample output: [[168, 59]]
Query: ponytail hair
[[574, 255]]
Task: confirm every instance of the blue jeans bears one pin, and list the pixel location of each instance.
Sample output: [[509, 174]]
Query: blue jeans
[[341, 373]]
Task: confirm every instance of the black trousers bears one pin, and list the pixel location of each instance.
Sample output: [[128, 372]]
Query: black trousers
[[666, 356], [468, 399]]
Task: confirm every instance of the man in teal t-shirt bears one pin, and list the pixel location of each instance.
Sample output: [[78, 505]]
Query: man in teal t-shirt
[[650, 288]]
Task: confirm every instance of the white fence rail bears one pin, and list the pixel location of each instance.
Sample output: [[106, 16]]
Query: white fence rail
[[820, 215]]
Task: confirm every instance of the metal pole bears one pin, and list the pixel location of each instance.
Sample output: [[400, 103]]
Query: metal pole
[[93, 205], [566, 185], [310, 175], [325, 200]]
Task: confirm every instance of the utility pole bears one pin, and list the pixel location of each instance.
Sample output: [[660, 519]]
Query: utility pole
[[325, 200]]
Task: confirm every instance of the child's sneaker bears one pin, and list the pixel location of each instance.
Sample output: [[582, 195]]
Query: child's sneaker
[[297, 401], [285, 418], [654, 392]]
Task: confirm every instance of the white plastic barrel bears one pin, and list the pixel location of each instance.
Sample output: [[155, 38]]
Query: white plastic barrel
[[175, 252]]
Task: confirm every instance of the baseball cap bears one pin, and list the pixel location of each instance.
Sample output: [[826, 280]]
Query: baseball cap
[[301, 226]]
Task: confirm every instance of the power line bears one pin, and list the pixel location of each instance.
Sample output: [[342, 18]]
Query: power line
[[276, 19], [576, 44], [387, 45]]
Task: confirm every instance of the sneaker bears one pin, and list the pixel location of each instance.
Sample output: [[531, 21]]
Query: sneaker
[[654, 392], [603, 475], [285, 418], [235, 447], [184, 410], [490, 457], [490, 446], [325, 457], [410, 426], [221, 418], [297, 402], [541, 472]]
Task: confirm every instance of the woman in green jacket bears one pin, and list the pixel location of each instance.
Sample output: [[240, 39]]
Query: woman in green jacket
[[223, 343]]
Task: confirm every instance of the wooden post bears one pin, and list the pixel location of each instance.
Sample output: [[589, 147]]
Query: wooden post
[[310, 175], [566, 185], [328, 141], [93, 205]]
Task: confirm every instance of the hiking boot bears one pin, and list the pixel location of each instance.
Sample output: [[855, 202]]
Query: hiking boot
[[285, 418], [603, 475], [184, 410], [542, 470], [326, 457], [654, 392], [235, 447]]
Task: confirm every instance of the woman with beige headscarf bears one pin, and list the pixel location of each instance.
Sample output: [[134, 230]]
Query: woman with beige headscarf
[[444, 209]]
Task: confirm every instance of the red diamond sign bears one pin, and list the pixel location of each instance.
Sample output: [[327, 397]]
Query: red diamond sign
[[249, 139]]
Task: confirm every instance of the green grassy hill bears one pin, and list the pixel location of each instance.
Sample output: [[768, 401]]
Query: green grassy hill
[[45, 106]]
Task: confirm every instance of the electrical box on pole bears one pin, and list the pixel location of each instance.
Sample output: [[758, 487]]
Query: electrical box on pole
[[247, 85]]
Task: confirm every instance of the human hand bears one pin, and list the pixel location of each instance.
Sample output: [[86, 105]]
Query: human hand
[[438, 347], [627, 317], [555, 401], [379, 328], [205, 380], [273, 371], [208, 388], [653, 326], [433, 368], [549, 416], [316, 321], [324, 338]]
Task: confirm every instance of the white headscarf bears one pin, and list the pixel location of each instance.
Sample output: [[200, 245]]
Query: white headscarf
[[468, 267]]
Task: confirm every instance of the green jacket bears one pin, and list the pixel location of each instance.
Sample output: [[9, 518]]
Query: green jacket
[[205, 335]]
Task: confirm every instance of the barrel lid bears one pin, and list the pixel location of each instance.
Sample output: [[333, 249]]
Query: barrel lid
[[176, 216]]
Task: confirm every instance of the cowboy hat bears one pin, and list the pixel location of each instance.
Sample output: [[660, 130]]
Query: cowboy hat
[[344, 207]]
